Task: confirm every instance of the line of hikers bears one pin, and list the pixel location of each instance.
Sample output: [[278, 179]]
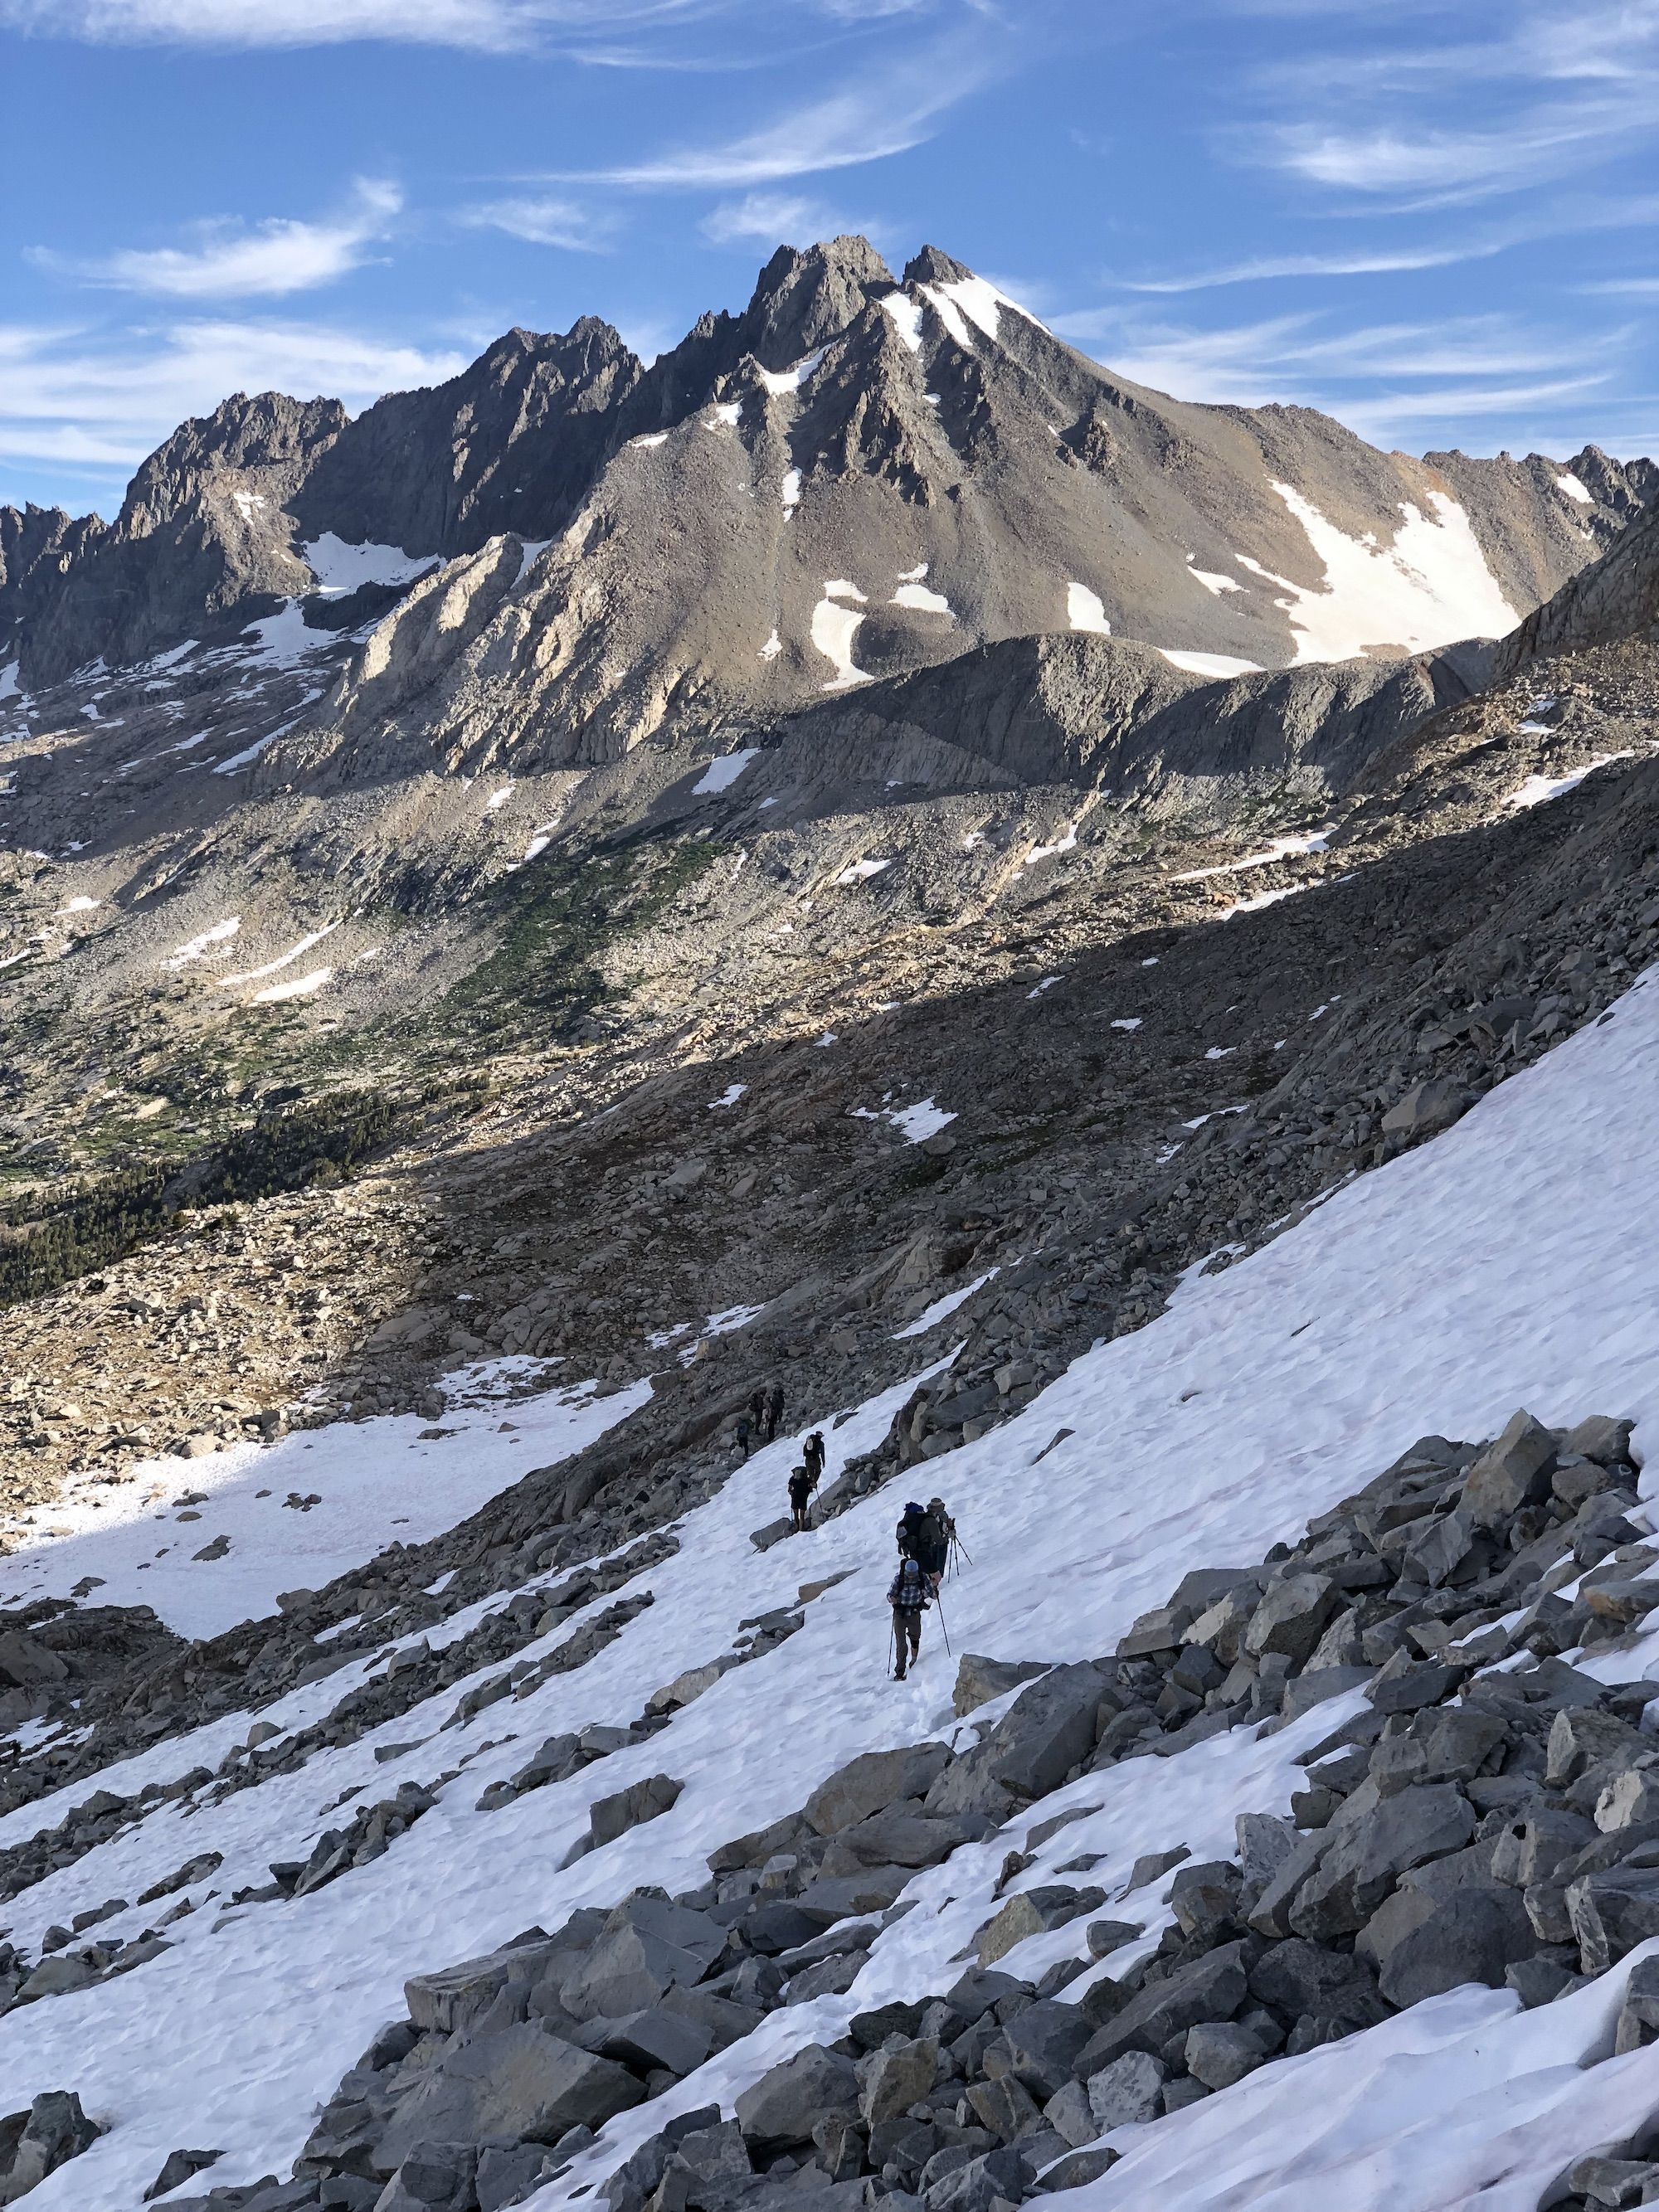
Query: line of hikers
[[926, 1534], [758, 1421]]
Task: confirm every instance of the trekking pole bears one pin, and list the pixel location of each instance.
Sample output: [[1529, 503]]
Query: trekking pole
[[958, 1549], [943, 1630]]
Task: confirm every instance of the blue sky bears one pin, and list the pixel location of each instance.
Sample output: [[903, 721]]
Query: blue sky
[[1437, 223]]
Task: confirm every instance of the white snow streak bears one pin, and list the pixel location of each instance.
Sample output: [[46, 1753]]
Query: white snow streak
[[1431, 587], [721, 773], [1084, 612]]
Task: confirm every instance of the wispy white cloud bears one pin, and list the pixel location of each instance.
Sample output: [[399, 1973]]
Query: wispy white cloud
[[618, 32], [1357, 262], [885, 111], [101, 401], [1383, 379], [1450, 165], [486, 25], [768, 219], [231, 261], [540, 220]]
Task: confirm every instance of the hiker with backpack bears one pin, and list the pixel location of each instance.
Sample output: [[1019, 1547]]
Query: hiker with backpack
[[911, 1533], [742, 1434], [802, 1486], [933, 1544], [774, 1410], [812, 1452], [908, 1597]]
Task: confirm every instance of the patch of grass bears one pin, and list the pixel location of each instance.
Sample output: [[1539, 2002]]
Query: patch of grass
[[560, 917]]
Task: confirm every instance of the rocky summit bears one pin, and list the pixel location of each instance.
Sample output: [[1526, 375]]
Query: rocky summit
[[865, 897]]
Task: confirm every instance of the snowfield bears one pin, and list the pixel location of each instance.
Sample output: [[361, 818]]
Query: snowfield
[[1514, 1261]]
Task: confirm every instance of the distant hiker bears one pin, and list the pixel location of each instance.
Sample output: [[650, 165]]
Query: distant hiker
[[938, 1529], [812, 1452], [911, 1532], [910, 1599], [757, 1410], [774, 1410], [742, 1434], [802, 1486]]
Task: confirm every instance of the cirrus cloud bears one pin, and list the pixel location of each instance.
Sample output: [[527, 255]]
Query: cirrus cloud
[[231, 261]]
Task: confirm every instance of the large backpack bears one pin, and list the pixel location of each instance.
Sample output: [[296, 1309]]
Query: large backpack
[[933, 1545]]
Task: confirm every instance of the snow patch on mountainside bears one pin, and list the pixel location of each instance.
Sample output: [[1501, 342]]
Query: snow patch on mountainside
[[339, 567], [1084, 612], [375, 1481], [1431, 586], [1209, 664]]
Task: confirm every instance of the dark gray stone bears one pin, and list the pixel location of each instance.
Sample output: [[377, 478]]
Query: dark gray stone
[[1045, 2040], [1079, 2167], [979, 1680], [519, 2082], [179, 2165], [1475, 1934], [1611, 1912], [1211, 1988], [782, 2106], [1219, 2052], [1513, 1471], [1290, 1617], [1369, 1852], [872, 1782], [1130, 2089]]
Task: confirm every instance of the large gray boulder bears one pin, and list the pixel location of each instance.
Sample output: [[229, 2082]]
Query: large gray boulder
[[1290, 1617], [1211, 1988], [1472, 1936], [979, 1680], [35, 2143], [628, 1971], [1531, 1849], [1445, 1744], [788, 2100], [1297, 1977], [1611, 1912], [518, 2083], [1045, 2040], [893, 2081], [1130, 2089], [1048, 1730], [646, 1800], [1513, 1471], [1581, 1737], [24, 1661], [896, 1837], [434, 2177], [872, 1782], [1370, 1848]]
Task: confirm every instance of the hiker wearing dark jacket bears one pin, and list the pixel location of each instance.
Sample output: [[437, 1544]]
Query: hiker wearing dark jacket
[[812, 1452], [742, 1434], [908, 1595], [774, 1410], [757, 1412], [933, 1543], [911, 1532], [802, 1486]]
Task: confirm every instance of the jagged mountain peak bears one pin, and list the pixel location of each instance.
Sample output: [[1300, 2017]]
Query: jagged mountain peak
[[267, 432], [932, 266], [804, 297]]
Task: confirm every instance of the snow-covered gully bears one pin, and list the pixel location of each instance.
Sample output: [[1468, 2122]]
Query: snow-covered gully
[[1509, 1263]]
